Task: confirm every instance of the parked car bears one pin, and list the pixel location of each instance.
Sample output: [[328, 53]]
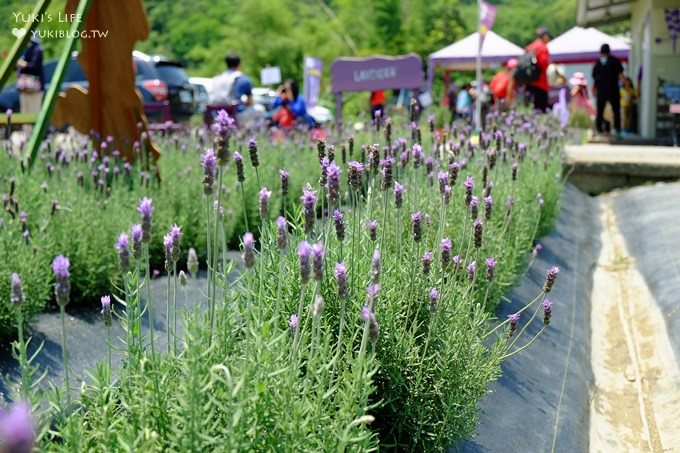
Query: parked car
[[203, 88], [155, 85], [181, 92]]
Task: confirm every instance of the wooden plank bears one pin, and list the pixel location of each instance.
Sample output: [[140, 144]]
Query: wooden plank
[[9, 65], [55, 85]]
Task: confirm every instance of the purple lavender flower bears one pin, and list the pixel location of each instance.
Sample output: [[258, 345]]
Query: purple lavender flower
[[339, 221], [308, 199], [317, 306], [490, 268], [281, 233], [17, 292], [209, 164], [249, 250], [372, 293], [403, 158], [427, 262], [453, 173], [418, 155], [123, 253], [333, 182], [341, 278], [515, 166], [537, 248], [445, 249], [283, 177], [372, 227], [513, 319], [547, 311], [443, 178], [106, 310], [509, 202], [434, 299], [238, 160], [317, 261], [456, 263], [252, 150], [225, 123], [355, 174], [293, 323], [416, 227], [386, 172], [469, 186], [192, 262], [17, 433], [146, 210], [447, 194], [62, 286], [323, 180], [488, 207], [137, 233], [375, 267], [398, 195], [304, 252], [368, 315], [264, 202], [472, 270], [474, 207], [539, 200], [478, 232], [551, 276]]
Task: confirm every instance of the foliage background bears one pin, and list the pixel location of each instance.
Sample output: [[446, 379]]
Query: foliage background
[[281, 32]]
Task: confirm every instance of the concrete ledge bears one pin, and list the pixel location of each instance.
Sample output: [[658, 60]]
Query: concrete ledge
[[596, 168]]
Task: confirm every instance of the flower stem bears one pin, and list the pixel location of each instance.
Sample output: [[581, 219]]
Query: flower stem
[[64, 352], [149, 302]]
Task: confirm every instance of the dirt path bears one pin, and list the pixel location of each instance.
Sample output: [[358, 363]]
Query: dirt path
[[635, 405]]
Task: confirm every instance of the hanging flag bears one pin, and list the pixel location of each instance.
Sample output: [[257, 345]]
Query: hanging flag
[[487, 15], [312, 81]]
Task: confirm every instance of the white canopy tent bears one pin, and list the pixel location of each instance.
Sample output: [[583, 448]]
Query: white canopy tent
[[462, 55], [582, 45]]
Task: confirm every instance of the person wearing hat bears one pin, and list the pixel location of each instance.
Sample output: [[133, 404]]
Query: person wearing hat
[[579, 95], [31, 78], [502, 84], [607, 73], [538, 89]]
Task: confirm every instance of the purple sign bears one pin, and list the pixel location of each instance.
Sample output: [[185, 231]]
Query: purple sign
[[377, 73], [312, 83]]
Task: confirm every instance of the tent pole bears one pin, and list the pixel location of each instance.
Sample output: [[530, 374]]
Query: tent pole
[[478, 101]]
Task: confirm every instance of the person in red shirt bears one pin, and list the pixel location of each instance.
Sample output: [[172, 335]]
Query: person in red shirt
[[538, 89], [377, 102], [502, 84]]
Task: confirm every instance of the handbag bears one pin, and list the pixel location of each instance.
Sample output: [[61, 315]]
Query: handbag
[[27, 83]]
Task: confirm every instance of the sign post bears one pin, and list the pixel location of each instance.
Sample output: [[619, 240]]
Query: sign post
[[487, 15], [312, 81]]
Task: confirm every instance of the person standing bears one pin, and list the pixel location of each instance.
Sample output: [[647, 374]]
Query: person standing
[[31, 79], [538, 89], [607, 73], [628, 105], [233, 88], [502, 84]]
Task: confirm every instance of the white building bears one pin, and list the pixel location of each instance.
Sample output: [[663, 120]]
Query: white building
[[654, 56]]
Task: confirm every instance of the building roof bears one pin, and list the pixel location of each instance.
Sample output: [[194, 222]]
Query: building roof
[[598, 12], [463, 54]]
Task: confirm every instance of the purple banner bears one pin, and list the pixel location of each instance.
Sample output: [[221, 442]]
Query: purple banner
[[487, 16], [377, 73], [312, 81]]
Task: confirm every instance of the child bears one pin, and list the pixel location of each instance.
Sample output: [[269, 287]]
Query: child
[[628, 105]]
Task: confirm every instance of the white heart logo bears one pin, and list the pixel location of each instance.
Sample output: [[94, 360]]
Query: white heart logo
[[19, 32]]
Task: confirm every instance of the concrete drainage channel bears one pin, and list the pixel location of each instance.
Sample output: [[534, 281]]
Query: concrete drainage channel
[[605, 376]]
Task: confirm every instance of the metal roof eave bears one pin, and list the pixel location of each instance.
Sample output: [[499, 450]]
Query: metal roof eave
[[597, 12]]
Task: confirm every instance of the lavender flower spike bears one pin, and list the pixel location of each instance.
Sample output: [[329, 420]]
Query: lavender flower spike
[[283, 177], [304, 251], [427, 262], [281, 233], [249, 250], [209, 164], [308, 199], [547, 311], [333, 182], [490, 268], [136, 232], [513, 319], [293, 322], [252, 150], [62, 287], [17, 292], [106, 310], [339, 221], [265, 194], [551, 276], [317, 261], [341, 278], [372, 227], [416, 220], [434, 298], [398, 195], [123, 253], [238, 160], [17, 432], [375, 267], [472, 270], [145, 209], [445, 248], [192, 262]]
